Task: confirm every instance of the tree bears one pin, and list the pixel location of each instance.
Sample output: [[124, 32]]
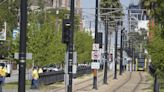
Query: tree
[[110, 4], [9, 14], [83, 45]]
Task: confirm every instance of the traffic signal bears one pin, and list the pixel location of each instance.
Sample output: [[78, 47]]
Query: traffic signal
[[66, 30], [100, 39]]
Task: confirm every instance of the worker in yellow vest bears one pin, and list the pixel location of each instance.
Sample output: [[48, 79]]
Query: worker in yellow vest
[[4, 71], [35, 77], [1, 78], [40, 70]]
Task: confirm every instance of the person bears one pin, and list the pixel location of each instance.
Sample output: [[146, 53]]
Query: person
[[4, 71], [40, 70], [35, 77], [1, 78]]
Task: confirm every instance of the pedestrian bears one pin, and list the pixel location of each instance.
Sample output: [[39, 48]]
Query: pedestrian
[[1, 78], [4, 71], [35, 77], [40, 70]]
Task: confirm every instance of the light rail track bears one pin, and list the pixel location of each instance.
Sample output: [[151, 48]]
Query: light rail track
[[128, 82]]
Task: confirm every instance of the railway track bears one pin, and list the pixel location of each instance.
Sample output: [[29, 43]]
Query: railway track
[[89, 85], [83, 85], [130, 85]]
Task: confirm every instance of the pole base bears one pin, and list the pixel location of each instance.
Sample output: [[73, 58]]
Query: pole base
[[106, 83], [115, 78], [95, 88]]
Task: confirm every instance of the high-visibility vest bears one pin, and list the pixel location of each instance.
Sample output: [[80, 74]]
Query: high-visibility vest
[[1, 71], [40, 70], [35, 74], [4, 72]]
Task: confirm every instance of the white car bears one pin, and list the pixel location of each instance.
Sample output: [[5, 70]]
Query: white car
[[50, 68]]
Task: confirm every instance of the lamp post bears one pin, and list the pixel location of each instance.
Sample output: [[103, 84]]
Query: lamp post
[[115, 66], [106, 51], [96, 41], [22, 49], [121, 52], [70, 47]]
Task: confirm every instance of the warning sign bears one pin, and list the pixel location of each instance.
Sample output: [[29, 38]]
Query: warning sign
[[96, 55], [95, 46]]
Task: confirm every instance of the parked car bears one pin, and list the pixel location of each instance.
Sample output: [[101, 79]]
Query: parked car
[[49, 68]]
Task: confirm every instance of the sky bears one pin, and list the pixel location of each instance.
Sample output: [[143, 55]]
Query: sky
[[88, 14]]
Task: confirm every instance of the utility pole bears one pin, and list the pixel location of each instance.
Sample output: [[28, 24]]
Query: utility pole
[[106, 50], [22, 49], [70, 47], [121, 52], [115, 66], [96, 41]]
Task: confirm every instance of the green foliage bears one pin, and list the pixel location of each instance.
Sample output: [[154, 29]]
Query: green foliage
[[156, 49], [83, 45], [43, 38], [110, 4], [156, 45], [8, 14], [44, 41]]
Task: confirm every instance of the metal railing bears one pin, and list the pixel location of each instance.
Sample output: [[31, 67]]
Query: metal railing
[[58, 76]]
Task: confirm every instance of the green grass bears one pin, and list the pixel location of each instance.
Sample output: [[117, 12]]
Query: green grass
[[161, 90], [14, 85]]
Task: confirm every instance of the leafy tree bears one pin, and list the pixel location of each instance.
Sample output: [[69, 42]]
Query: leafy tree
[[156, 49], [83, 45], [9, 14], [44, 41], [110, 4]]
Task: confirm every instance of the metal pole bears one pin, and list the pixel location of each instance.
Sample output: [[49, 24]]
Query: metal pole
[[70, 47], [96, 41], [106, 51], [115, 68], [121, 52], [132, 56], [0, 86], [22, 49], [156, 85]]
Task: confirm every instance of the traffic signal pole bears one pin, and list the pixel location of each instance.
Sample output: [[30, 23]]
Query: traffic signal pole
[[96, 41], [115, 65], [22, 49], [106, 51], [121, 53], [70, 47]]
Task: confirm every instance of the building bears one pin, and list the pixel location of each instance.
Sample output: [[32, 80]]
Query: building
[[35, 4]]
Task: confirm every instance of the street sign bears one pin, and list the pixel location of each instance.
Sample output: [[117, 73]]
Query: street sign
[[95, 46], [74, 69], [96, 55], [28, 55], [95, 65]]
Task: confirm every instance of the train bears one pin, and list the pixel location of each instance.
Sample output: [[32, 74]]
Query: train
[[141, 64]]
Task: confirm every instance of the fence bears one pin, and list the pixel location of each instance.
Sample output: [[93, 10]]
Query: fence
[[58, 76]]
